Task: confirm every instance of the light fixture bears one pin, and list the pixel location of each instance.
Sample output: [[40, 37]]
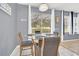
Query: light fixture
[[43, 7]]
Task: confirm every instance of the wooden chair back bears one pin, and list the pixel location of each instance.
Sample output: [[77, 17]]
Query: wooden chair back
[[20, 37], [51, 45]]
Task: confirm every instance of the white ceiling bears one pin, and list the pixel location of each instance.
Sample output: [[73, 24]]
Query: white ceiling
[[60, 6]]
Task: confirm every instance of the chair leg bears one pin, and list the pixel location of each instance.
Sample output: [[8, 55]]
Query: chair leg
[[32, 50], [37, 51], [20, 50]]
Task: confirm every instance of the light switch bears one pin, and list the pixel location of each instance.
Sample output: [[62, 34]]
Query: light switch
[[23, 20]]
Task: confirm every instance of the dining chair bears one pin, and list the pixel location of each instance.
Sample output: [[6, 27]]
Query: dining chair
[[39, 47], [24, 44], [51, 45]]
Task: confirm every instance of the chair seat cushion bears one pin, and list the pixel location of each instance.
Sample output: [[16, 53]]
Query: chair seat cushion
[[26, 43]]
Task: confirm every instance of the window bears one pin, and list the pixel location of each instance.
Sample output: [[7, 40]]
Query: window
[[6, 8], [75, 23], [41, 21], [66, 22]]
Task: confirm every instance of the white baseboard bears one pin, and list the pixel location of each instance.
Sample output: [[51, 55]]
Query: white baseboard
[[15, 51]]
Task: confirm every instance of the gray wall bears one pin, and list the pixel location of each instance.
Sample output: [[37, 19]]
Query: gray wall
[[22, 14], [71, 36], [10, 26], [7, 31]]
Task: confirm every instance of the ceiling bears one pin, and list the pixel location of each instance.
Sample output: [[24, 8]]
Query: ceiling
[[59, 6]]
